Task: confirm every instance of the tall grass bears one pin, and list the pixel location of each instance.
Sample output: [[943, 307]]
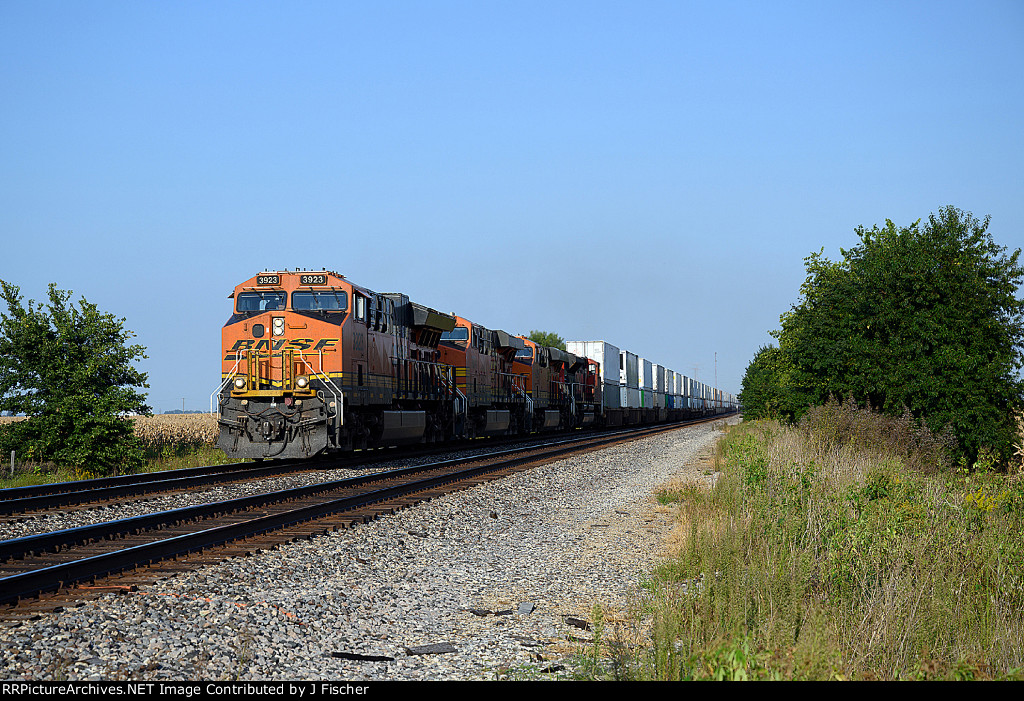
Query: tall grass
[[827, 552]]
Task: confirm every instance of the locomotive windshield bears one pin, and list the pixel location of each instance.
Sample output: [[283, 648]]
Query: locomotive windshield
[[334, 301], [260, 301]]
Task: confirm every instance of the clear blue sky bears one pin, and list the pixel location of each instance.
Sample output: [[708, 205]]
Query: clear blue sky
[[649, 173]]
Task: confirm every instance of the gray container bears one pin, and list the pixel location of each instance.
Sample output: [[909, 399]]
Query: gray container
[[630, 397]]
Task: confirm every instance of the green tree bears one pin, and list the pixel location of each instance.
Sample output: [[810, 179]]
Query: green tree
[[762, 392], [69, 370], [547, 339], [924, 317]]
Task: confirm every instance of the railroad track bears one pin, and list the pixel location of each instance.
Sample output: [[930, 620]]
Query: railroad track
[[51, 570], [15, 502]]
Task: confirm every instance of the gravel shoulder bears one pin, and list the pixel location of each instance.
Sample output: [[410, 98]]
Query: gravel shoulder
[[466, 587]]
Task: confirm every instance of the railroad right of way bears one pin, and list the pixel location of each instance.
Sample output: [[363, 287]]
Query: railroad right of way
[[485, 579]]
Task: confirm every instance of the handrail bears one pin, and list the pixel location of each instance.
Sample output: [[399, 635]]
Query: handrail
[[527, 397], [339, 396], [227, 379], [461, 403], [444, 376]]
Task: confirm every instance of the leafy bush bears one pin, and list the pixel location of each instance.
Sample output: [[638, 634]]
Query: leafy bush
[[923, 318], [70, 370]]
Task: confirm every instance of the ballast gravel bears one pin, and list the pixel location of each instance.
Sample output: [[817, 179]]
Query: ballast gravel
[[493, 582]]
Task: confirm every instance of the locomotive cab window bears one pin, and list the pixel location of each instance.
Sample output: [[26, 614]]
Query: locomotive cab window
[[335, 301], [377, 313], [459, 333], [260, 301]]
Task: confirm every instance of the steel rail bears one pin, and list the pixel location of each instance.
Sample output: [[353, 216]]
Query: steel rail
[[15, 500], [78, 486], [164, 484]]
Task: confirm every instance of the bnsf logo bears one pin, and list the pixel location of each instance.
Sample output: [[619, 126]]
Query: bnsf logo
[[300, 344]]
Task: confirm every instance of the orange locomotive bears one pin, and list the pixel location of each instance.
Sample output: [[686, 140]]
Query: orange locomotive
[[313, 362], [481, 359]]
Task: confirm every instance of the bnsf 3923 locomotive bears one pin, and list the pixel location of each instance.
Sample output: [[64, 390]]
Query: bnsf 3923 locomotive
[[312, 362]]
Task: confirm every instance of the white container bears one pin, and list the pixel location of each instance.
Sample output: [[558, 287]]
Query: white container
[[646, 383], [630, 397], [646, 375], [607, 357], [658, 384], [628, 369]]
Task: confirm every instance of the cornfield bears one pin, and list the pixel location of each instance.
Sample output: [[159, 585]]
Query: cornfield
[[169, 433], [165, 433]]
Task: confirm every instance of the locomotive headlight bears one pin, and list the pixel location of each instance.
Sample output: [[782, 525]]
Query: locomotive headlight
[[302, 382], [279, 326], [239, 383]]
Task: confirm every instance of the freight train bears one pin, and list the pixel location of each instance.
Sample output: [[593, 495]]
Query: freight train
[[312, 363]]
